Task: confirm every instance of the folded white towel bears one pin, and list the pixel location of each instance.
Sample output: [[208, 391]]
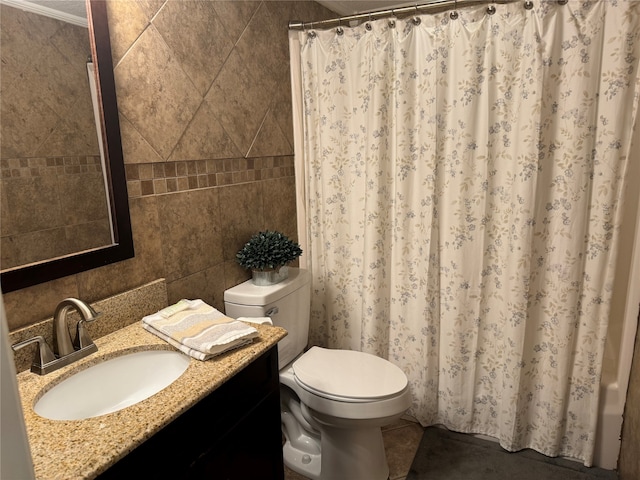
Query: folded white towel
[[198, 329], [258, 320]]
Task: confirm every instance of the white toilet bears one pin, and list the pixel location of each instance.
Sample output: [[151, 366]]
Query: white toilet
[[333, 402]]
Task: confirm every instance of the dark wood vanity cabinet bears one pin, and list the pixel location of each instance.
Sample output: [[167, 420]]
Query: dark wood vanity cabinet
[[232, 434]]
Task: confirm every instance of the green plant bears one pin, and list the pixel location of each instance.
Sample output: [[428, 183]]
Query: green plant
[[268, 250]]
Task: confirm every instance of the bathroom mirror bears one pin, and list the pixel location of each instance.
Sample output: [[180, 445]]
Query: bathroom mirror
[[84, 173]]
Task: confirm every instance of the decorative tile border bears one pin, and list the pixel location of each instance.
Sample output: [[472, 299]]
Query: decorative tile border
[[41, 166], [144, 179]]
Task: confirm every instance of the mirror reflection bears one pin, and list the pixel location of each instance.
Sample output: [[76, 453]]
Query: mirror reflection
[[53, 184]]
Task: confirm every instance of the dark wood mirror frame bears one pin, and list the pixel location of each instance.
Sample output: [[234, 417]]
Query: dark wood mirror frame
[[122, 248]]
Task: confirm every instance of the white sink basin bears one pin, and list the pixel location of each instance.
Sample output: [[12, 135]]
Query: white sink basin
[[112, 385]]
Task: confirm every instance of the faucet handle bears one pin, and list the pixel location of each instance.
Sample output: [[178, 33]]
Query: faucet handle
[[44, 354], [82, 335]]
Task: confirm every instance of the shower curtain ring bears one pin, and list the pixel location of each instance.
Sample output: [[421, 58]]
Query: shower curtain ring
[[416, 20], [368, 24], [340, 30], [454, 14]]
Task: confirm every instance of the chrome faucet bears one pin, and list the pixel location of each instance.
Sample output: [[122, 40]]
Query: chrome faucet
[[66, 350]]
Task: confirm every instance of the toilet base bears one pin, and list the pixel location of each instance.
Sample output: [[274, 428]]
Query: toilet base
[[304, 463], [353, 454], [301, 449], [346, 454]]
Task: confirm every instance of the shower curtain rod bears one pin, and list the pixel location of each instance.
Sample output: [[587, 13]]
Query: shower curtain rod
[[431, 7]]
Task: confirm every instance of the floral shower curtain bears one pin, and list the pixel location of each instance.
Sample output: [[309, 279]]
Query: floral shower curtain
[[461, 181]]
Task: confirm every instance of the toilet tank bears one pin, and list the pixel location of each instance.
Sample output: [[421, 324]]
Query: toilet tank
[[288, 303]]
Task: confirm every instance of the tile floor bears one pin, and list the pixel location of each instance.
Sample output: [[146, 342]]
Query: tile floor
[[401, 440]]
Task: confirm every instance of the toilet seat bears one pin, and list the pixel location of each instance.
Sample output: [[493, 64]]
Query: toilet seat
[[348, 376]]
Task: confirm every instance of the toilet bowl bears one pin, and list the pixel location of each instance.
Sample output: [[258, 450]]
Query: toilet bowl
[[333, 402], [346, 397]]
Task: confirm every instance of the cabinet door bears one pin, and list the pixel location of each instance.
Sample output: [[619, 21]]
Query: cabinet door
[[250, 451]]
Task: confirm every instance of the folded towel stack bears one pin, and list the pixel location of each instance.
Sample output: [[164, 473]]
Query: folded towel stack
[[198, 329]]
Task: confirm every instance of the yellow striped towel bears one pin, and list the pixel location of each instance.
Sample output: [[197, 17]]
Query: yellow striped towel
[[198, 329]]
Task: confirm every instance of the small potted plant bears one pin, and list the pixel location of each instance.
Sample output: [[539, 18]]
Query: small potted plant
[[267, 254]]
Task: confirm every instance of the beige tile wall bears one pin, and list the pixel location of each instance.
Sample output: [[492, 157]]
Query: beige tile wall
[[205, 112]]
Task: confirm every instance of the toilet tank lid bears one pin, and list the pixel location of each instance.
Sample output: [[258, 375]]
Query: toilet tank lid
[[249, 294], [348, 374]]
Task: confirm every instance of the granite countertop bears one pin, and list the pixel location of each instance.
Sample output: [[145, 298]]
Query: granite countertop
[[82, 449]]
